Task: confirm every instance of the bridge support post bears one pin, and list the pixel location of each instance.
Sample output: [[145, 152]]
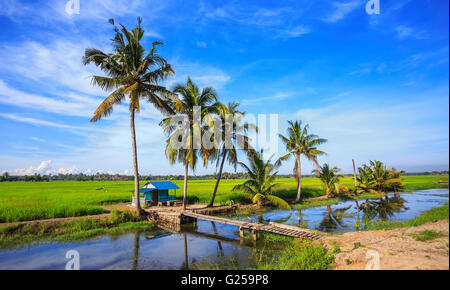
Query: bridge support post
[[255, 236], [241, 235]]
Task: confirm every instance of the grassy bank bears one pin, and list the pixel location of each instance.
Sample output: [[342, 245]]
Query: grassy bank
[[118, 222], [433, 214], [276, 253], [330, 201], [23, 201]]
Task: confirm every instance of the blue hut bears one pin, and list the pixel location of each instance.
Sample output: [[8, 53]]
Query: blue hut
[[157, 191]]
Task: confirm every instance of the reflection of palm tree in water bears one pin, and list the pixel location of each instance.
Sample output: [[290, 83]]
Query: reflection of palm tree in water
[[300, 218], [358, 221], [219, 244], [281, 221], [185, 265], [333, 219], [137, 235], [383, 208]]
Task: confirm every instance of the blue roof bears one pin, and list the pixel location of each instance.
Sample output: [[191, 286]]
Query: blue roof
[[143, 190], [161, 185]]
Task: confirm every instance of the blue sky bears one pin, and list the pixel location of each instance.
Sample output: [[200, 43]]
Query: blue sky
[[376, 86]]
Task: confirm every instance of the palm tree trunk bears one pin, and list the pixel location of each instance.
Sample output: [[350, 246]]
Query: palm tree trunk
[[185, 184], [299, 179], [218, 178], [135, 163]]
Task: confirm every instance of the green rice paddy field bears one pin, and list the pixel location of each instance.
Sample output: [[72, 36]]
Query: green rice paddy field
[[23, 201]]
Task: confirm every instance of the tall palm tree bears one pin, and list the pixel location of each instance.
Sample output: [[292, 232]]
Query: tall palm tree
[[133, 73], [330, 178], [298, 142], [230, 144], [189, 153], [260, 182]]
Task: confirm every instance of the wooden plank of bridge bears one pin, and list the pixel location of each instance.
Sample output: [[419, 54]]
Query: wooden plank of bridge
[[276, 228]]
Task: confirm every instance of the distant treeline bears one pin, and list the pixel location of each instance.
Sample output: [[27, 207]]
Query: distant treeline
[[112, 177], [116, 177]]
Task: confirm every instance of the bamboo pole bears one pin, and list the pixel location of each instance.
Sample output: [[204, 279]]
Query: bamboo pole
[[354, 175]]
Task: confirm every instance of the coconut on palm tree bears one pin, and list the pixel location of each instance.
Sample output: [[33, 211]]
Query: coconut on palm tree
[[261, 180], [233, 138], [330, 179], [189, 149], [299, 142], [134, 73]]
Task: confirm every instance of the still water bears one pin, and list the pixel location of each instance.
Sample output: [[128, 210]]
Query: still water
[[209, 242], [344, 217]]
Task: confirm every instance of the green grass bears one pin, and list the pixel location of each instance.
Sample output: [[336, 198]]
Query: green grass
[[277, 253], [22, 201], [433, 214], [330, 201], [118, 222], [427, 235]]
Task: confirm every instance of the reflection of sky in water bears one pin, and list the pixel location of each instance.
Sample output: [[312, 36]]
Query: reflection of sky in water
[[204, 241], [166, 251], [341, 221]]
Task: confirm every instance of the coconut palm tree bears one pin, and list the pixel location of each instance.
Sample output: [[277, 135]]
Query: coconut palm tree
[[260, 182], [298, 142], [232, 139], [330, 178], [133, 73], [375, 178], [188, 153]]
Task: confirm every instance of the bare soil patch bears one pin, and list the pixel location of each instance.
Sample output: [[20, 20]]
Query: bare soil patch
[[397, 249]]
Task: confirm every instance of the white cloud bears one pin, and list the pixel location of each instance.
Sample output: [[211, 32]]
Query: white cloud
[[276, 97], [66, 104], [396, 134], [403, 31], [55, 64], [406, 32], [278, 22], [54, 11], [341, 9], [15, 97], [37, 139], [200, 44], [293, 32], [203, 75], [43, 168], [33, 121]]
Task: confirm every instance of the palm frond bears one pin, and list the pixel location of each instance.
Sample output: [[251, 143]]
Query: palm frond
[[278, 202]]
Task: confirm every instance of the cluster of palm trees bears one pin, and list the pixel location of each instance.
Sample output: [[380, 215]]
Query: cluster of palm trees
[[372, 178], [135, 74], [375, 178]]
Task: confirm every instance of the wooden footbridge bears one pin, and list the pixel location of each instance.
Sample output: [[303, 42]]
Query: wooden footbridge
[[274, 228]]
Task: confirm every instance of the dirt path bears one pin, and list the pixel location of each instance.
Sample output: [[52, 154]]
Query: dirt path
[[55, 220], [397, 249]]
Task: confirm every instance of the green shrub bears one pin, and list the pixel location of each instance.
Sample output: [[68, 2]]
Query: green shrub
[[303, 256], [427, 235], [118, 217], [433, 214]]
